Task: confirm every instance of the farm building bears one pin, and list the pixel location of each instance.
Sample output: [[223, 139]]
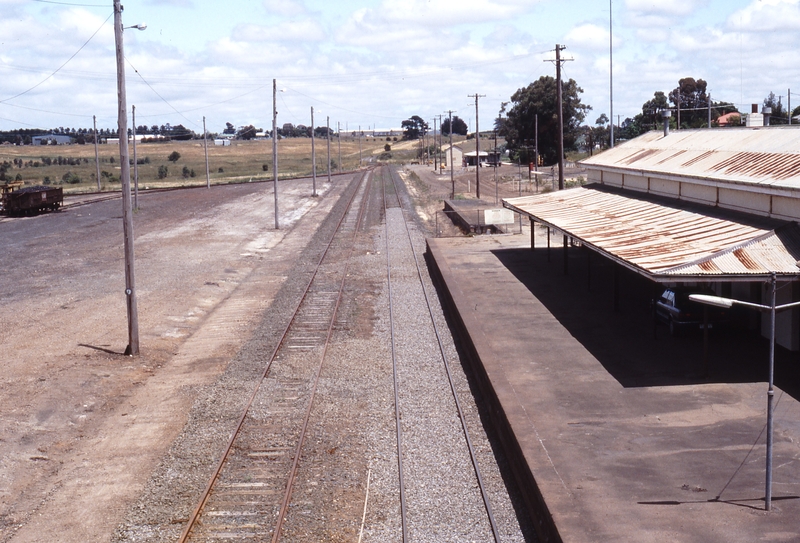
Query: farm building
[[714, 207], [51, 139]]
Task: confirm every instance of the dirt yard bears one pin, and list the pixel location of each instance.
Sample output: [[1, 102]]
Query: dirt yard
[[83, 426]]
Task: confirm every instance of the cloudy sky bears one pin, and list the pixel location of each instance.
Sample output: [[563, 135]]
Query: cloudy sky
[[376, 62]]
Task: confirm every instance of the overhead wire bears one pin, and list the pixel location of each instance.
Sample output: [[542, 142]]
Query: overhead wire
[[64, 64]]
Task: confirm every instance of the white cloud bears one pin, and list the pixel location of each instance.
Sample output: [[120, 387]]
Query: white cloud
[[766, 16], [588, 35], [303, 31], [286, 8], [679, 8]]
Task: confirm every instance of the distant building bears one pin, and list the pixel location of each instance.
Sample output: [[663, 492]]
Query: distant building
[[469, 158], [51, 139], [224, 142]]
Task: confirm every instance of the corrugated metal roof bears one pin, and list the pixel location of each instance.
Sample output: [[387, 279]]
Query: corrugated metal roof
[[767, 156], [667, 240]]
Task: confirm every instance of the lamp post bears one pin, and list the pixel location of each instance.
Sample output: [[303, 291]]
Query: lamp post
[[773, 309], [125, 176]]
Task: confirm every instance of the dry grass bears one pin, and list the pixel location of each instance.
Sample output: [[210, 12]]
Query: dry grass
[[241, 161]]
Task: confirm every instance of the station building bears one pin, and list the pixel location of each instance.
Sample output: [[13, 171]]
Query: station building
[[712, 207]]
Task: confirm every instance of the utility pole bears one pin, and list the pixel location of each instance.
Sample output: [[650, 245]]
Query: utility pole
[[135, 163], [496, 164], [205, 146], [477, 148], [125, 177], [536, 146], [339, 142], [439, 150], [709, 110], [96, 152], [359, 147], [789, 99], [611, 67], [560, 112], [275, 146], [452, 179], [436, 156], [328, 133], [313, 157]]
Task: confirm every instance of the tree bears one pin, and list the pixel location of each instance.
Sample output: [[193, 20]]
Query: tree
[[540, 98], [163, 172], [246, 132], [229, 129], [459, 126], [779, 115], [174, 156], [414, 128], [691, 98]]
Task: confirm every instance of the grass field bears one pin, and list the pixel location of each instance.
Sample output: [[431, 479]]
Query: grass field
[[241, 161]]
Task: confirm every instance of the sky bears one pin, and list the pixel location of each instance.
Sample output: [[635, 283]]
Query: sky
[[374, 63]]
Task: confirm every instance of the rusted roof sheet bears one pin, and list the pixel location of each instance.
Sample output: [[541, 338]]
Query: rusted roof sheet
[[665, 239], [767, 156]]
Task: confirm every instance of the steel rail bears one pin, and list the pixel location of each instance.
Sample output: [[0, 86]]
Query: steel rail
[[461, 416], [398, 425], [220, 464], [276, 534]]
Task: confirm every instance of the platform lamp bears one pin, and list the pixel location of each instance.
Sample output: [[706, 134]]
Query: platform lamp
[[727, 303], [125, 176]]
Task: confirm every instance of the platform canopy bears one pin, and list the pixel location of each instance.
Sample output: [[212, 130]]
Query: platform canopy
[[668, 240]]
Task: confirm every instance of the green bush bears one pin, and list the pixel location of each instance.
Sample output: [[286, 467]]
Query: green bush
[[163, 172], [71, 178], [174, 156]]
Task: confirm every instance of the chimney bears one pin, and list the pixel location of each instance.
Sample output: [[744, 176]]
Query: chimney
[[666, 114], [754, 119]]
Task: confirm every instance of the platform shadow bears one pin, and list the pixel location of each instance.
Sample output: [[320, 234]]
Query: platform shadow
[[624, 340]]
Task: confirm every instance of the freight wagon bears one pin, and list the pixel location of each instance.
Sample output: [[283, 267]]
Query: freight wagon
[[31, 200]]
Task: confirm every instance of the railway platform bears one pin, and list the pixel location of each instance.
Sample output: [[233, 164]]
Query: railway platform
[[614, 433]]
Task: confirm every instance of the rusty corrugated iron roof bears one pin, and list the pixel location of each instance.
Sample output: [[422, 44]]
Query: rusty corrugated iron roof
[[665, 239], [768, 156]]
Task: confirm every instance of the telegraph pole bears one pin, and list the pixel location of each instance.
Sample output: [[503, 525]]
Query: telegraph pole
[[477, 148], [125, 177], [611, 68], [205, 145], [275, 146], [135, 163], [96, 152], [339, 143], [328, 133], [436, 156], [452, 179], [439, 150], [560, 112], [313, 158], [359, 147]]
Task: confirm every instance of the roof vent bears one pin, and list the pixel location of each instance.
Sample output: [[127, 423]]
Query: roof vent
[[666, 114], [755, 119]]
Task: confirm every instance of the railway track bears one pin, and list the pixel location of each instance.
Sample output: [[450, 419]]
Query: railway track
[[419, 394], [434, 491], [250, 491]]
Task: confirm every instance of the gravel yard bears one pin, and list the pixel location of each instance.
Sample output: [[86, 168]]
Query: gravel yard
[[97, 446]]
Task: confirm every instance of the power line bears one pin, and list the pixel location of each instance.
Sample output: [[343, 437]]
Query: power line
[[65, 63]]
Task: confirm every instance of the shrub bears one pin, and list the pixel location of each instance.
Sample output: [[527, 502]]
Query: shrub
[[185, 172], [387, 147], [71, 178], [174, 156], [220, 170], [163, 172], [265, 167]]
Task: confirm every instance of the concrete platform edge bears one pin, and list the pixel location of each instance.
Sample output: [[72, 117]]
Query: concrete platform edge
[[526, 482]]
